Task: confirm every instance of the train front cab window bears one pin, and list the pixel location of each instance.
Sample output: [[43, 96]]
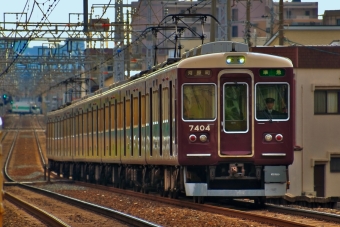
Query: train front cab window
[[275, 95], [199, 102]]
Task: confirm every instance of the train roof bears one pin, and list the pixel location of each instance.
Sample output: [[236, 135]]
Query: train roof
[[252, 60]]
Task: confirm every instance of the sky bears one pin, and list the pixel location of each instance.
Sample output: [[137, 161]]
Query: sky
[[65, 9]]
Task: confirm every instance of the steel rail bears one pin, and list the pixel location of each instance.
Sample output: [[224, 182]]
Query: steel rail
[[42, 215], [132, 220], [203, 207], [93, 207], [303, 212]]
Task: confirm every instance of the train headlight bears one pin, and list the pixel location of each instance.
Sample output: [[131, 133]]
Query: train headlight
[[268, 137], [279, 137], [192, 138], [235, 60], [203, 138]]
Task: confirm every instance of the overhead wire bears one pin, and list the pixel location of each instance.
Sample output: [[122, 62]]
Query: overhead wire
[[29, 38], [126, 47]]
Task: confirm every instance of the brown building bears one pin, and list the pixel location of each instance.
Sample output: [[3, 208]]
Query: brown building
[[316, 167], [331, 17]]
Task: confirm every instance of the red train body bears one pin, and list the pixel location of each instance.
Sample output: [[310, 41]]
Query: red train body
[[198, 127]]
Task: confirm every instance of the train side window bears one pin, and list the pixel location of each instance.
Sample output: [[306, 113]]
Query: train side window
[[86, 132], [136, 122], [199, 102], [113, 130], [272, 101], [155, 127], [81, 129], [141, 115], [76, 132], [166, 115], [107, 144], [90, 133], [127, 115], [120, 124], [101, 120], [148, 122], [95, 131]]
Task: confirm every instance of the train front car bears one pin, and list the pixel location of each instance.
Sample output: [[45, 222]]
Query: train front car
[[235, 127]]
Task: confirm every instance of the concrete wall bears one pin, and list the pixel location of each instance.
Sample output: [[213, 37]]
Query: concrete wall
[[319, 135]]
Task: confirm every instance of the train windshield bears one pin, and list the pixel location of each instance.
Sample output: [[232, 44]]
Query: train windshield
[[272, 101], [199, 102]]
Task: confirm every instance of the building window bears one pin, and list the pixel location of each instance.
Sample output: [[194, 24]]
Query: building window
[[234, 32], [326, 101], [306, 13], [337, 21], [289, 13], [335, 164], [234, 15]]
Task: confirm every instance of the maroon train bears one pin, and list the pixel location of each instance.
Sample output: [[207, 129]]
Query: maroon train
[[199, 126]]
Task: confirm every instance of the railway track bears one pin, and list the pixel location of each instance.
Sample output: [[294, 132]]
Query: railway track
[[25, 143], [211, 209], [58, 210], [47, 218], [322, 218]]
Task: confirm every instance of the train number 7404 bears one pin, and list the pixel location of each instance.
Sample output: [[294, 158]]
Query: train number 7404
[[199, 128]]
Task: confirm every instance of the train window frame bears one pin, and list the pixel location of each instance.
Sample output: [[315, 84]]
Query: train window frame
[[287, 105], [214, 105], [245, 114], [326, 101]]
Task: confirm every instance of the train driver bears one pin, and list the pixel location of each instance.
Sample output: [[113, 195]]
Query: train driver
[[269, 112]]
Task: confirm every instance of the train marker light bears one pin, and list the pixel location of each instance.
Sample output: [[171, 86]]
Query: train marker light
[[203, 138], [279, 137], [232, 60], [268, 137], [192, 138]]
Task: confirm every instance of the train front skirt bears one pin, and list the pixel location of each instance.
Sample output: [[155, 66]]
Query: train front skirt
[[274, 178]]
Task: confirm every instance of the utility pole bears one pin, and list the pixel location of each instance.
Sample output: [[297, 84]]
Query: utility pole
[[281, 22], [228, 20], [248, 25], [212, 23], [86, 16]]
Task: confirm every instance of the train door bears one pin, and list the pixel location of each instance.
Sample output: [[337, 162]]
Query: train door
[[89, 132], [106, 142], [81, 134], [235, 104], [73, 133]]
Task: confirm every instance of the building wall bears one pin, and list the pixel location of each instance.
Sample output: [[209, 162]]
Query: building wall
[[331, 17], [257, 13], [298, 10], [317, 134], [311, 35]]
